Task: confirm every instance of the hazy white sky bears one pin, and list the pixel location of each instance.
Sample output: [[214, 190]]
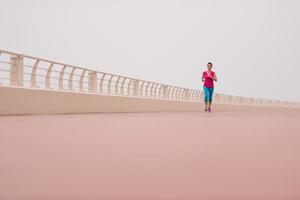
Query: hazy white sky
[[254, 44]]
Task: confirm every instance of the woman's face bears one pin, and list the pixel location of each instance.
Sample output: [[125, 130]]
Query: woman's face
[[209, 66]]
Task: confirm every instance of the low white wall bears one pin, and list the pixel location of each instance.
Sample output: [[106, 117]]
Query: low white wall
[[16, 100], [20, 101]]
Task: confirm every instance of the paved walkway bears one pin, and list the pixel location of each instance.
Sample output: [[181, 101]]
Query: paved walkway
[[227, 155]]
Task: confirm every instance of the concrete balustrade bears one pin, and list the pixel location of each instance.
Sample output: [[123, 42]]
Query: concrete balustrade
[[89, 81], [28, 72]]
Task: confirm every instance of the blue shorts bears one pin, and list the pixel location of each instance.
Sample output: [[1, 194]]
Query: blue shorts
[[208, 93]]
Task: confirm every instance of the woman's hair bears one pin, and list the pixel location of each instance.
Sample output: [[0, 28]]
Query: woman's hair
[[210, 64]]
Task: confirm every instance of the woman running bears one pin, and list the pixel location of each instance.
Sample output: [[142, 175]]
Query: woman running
[[208, 77]]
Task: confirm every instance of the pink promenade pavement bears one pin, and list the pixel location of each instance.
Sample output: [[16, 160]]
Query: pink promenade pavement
[[238, 154]]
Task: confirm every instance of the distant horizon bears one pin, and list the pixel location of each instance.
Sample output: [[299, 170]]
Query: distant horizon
[[168, 41]]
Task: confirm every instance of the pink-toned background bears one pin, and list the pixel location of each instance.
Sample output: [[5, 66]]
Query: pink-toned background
[[240, 154]]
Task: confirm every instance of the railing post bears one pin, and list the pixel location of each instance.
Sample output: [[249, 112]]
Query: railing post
[[177, 93], [129, 87], [194, 95], [199, 96], [151, 90], [70, 80], [180, 93], [165, 94], [141, 88], [61, 78], [16, 70], [33, 74], [230, 99], [81, 81], [136, 88], [216, 97], [101, 84], [92, 82], [117, 86], [170, 92], [48, 76], [186, 94], [146, 90], [190, 95], [122, 85], [161, 87], [109, 84], [155, 90]]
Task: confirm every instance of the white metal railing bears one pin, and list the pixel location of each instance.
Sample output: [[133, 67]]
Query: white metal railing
[[19, 70]]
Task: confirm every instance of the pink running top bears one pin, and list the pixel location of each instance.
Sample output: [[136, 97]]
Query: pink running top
[[208, 82]]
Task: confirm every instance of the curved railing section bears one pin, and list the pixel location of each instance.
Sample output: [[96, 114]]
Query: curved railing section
[[19, 70]]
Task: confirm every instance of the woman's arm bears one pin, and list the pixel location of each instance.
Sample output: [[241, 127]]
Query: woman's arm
[[214, 77], [203, 79]]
